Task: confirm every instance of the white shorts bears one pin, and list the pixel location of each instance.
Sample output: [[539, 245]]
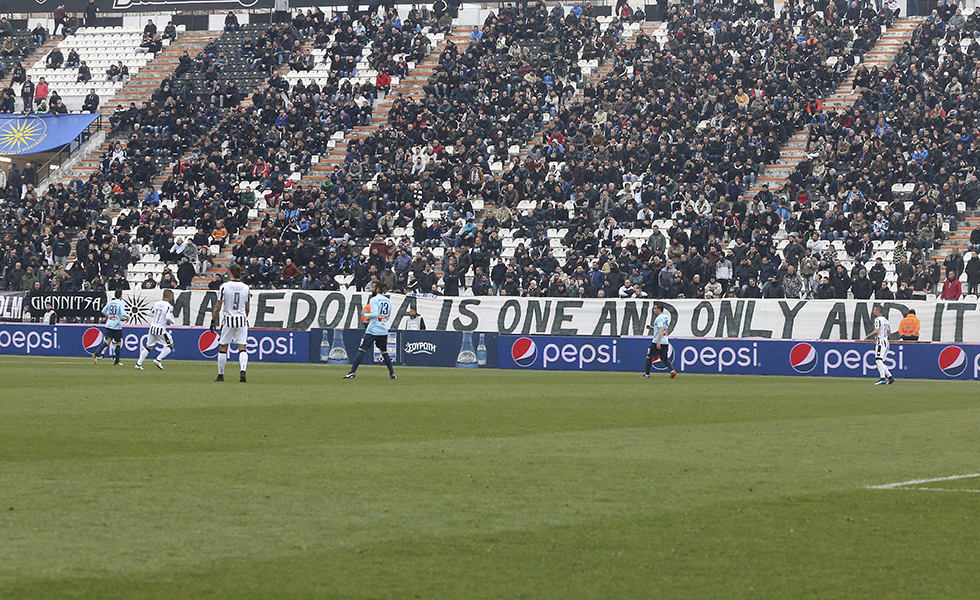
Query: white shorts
[[152, 339], [881, 350], [233, 335]]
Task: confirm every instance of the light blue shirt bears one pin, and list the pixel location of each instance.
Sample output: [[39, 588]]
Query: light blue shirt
[[380, 315], [115, 312], [663, 320]]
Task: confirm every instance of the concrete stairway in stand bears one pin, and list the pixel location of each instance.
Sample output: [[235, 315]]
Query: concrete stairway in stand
[[140, 89], [409, 86], [41, 52], [961, 237], [793, 151]]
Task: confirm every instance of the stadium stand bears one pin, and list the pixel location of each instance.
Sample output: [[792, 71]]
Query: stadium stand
[[254, 145], [506, 61], [102, 59], [724, 152], [15, 48], [873, 158]]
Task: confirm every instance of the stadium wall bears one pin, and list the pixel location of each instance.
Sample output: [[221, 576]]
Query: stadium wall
[[733, 356]]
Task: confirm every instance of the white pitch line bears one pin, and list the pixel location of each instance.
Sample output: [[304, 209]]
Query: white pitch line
[[49, 362], [891, 486], [945, 490]]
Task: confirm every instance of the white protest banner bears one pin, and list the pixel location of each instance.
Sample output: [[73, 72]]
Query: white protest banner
[[734, 318]]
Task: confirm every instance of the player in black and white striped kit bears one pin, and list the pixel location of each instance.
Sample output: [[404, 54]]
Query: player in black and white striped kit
[[234, 302], [161, 317], [881, 332]]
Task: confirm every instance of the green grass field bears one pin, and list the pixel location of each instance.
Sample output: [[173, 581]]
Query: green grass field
[[463, 484]]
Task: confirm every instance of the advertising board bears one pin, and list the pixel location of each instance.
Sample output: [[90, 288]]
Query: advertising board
[[908, 360], [189, 343]]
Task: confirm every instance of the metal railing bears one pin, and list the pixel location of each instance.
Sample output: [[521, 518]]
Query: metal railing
[[55, 162]]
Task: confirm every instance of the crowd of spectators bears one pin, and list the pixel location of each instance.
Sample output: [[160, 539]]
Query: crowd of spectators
[[15, 48], [225, 152], [56, 59], [435, 150], [669, 143], [913, 123], [38, 230], [679, 128]]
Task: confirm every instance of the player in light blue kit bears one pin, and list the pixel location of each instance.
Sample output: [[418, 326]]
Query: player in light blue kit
[[376, 334], [660, 345], [115, 314]]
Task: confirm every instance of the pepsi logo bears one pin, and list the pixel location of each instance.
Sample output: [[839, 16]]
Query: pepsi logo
[[952, 361], [524, 351], [657, 364], [208, 344], [803, 357], [92, 339]]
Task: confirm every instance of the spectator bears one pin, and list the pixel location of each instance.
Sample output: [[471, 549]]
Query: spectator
[[84, 73], [883, 292], [185, 273], [91, 12], [71, 25], [974, 244], [792, 283], [60, 18], [290, 275], [954, 263], [91, 102], [973, 275], [908, 329], [231, 22], [27, 92], [39, 35], [952, 288], [29, 176], [862, 287], [751, 289], [41, 91], [55, 59]]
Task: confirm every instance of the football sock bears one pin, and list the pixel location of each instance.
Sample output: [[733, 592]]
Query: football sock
[[144, 352], [883, 371], [164, 353], [102, 347], [116, 353], [666, 360], [243, 358], [647, 365], [387, 359], [222, 360], [357, 360]]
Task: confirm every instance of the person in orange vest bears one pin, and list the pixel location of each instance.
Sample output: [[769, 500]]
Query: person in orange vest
[[908, 329]]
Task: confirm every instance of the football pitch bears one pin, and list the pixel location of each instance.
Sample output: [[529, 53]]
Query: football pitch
[[473, 484]]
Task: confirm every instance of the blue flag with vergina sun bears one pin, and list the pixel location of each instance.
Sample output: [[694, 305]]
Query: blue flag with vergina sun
[[30, 134]]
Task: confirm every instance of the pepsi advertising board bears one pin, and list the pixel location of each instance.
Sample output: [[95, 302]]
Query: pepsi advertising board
[[571, 353], [189, 343], [741, 357]]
